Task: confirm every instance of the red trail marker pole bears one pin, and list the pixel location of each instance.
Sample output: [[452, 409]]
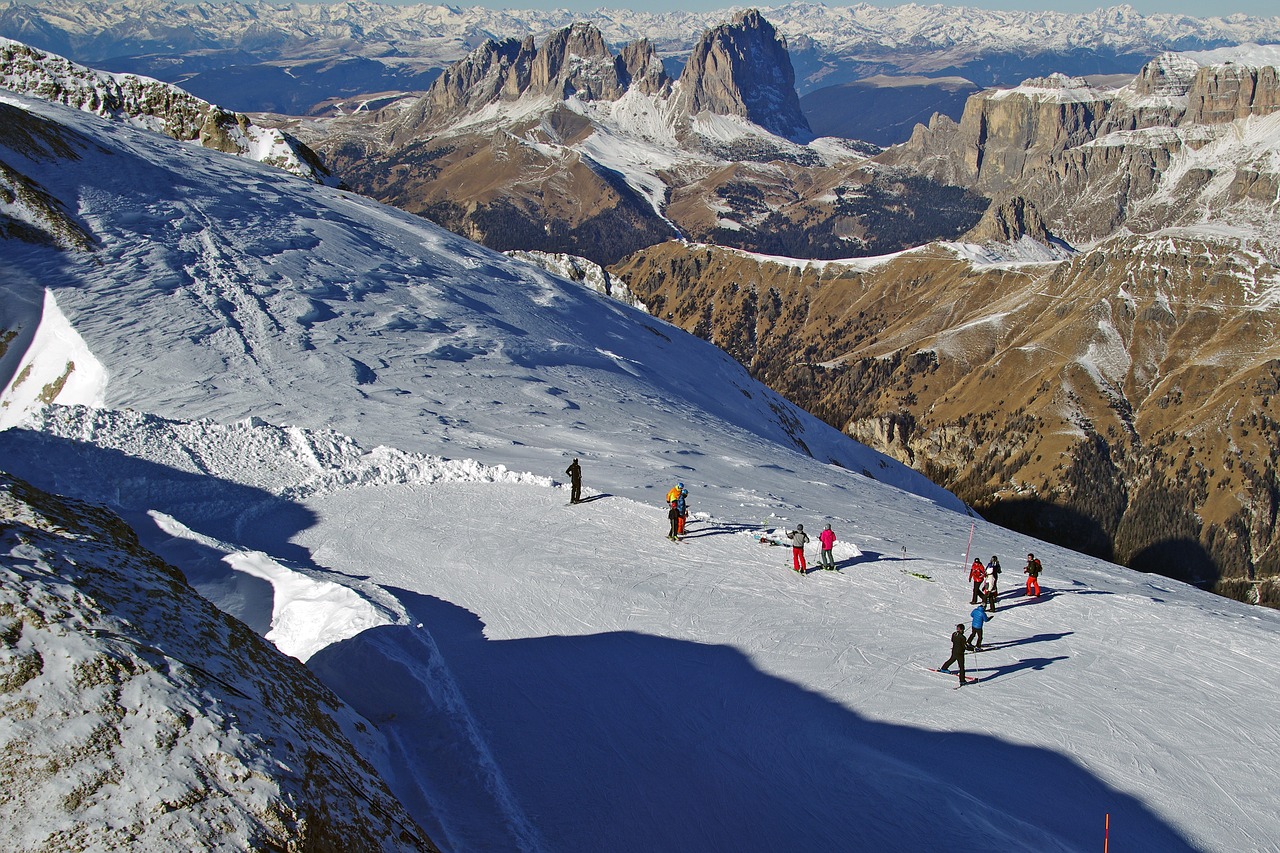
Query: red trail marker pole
[[969, 547], [1106, 834]]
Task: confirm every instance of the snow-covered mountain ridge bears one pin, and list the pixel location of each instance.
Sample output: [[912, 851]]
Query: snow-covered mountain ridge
[[562, 677], [154, 105]]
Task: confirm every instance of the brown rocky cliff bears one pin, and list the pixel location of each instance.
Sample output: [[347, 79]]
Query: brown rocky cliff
[[1090, 159], [576, 61], [641, 69], [743, 69], [1002, 135], [1100, 403], [1224, 93]]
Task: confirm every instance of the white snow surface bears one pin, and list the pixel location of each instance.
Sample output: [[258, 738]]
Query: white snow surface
[[349, 428]]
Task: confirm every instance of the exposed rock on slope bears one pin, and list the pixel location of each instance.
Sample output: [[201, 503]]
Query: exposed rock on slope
[[138, 717], [1123, 403], [154, 105], [27, 212]]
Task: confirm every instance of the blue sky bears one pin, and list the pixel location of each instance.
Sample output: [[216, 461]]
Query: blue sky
[[1194, 8]]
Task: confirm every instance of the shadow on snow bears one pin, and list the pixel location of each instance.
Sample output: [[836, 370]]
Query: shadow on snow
[[628, 741]]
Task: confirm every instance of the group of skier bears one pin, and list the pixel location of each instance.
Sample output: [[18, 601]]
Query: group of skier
[[986, 579], [798, 539], [985, 594]]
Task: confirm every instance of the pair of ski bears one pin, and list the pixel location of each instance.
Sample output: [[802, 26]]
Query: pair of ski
[[967, 679]]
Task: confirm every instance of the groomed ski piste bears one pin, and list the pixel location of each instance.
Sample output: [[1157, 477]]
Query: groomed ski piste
[[349, 429]]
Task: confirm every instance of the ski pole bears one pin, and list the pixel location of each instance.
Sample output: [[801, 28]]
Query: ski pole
[[1106, 834]]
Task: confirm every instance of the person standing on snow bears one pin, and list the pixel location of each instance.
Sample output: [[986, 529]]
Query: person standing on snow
[[673, 514], [1032, 571], [994, 567], [575, 481], [827, 538], [979, 616], [957, 651], [977, 574], [798, 539], [682, 504], [989, 593]]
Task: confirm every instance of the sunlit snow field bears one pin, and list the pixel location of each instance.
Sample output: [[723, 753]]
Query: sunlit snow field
[[350, 429]]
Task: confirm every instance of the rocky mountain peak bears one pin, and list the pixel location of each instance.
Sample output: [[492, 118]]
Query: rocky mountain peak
[[576, 61], [743, 69], [1008, 220], [496, 70], [1169, 75], [640, 68]]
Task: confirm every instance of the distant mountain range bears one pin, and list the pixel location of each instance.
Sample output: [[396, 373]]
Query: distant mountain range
[[272, 58]]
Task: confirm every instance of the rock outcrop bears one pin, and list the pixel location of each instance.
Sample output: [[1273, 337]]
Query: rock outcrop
[[494, 71], [154, 105], [1008, 221], [576, 62], [641, 70], [743, 69], [1092, 160], [139, 717]]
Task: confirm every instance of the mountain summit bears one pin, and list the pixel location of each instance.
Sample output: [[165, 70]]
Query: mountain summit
[[743, 69]]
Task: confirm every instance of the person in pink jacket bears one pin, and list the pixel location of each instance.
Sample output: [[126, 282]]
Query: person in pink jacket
[[826, 539]]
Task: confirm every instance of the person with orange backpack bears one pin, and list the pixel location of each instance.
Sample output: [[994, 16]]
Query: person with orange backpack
[[677, 499]]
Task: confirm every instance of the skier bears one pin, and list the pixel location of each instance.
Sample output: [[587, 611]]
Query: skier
[[1032, 571], [977, 574], [957, 651], [798, 540], [827, 538], [674, 515], [979, 616], [989, 593], [993, 568], [682, 504], [575, 481]]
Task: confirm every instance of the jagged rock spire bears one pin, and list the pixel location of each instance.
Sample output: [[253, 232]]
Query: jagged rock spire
[[743, 69]]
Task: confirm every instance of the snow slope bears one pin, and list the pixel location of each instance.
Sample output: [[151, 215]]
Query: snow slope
[[348, 429]]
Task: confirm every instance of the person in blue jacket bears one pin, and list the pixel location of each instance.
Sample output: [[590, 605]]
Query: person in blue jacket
[[980, 617]]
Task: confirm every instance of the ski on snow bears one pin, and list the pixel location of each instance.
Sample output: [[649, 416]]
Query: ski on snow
[[967, 679]]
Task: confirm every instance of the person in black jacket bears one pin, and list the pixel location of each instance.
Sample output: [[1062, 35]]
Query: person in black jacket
[[958, 644], [575, 481]]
